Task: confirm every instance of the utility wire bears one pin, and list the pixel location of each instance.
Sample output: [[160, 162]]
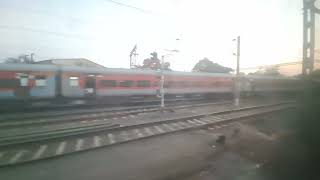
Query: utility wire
[[60, 34], [129, 6], [279, 65]]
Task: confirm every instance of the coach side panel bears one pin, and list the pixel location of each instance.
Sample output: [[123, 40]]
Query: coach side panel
[[42, 84], [27, 84], [72, 84], [197, 85], [126, 85]]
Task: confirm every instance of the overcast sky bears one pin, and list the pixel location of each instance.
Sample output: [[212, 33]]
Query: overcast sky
[[105, 32]]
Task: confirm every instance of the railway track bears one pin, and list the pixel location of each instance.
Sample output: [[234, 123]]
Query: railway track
[[15, 150], [100, 115], [76, 104], [55, 111]]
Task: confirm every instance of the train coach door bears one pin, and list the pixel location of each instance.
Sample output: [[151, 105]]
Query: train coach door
[[90, 85], [22, 90]]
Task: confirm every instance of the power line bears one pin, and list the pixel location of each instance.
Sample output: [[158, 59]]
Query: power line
[[60, 34], [129, 6], [281, 64], [45, 13], [271, 65]]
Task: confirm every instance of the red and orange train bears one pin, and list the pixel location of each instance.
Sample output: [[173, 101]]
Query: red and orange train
[[34, 82]]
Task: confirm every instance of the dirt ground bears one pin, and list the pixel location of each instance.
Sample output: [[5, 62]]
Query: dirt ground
[[259, 149]]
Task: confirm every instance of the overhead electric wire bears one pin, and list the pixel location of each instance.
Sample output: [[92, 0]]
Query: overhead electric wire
[[45, 13], [129, 6], [61, 34], [281, 64]]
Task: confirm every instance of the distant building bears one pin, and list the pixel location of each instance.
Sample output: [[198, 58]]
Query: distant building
[[71, 62]]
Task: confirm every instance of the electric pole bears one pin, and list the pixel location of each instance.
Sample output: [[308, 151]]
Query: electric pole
[[162, 82], [309, 11], [32, 57], [237, 80], [134, 54], [162, 75]]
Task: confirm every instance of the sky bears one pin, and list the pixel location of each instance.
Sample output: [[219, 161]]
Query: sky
[[105, 31]]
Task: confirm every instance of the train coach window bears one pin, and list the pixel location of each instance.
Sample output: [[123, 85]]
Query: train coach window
[[182, 84], [216, 84], [166, 84], [74, 81], [108, 83], [155, 84], [125, 83], [171, 84], [143, 83], [40, 81], [9, 83], [198, 84], [24, 81]]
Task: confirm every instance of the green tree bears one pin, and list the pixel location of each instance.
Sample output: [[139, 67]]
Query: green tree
[[270, 71], [154, 63], [205, 65], [21, 59]]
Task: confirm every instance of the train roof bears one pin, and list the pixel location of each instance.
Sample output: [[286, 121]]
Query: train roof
[[95, 70], [270, 77], [179, 73], [27, 67], [140, 71]]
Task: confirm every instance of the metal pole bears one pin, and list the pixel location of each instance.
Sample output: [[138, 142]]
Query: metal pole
[[237, 83], [133, 53], [162, 83], [238, 55], [308, 36], [130, 66], [31, 57]]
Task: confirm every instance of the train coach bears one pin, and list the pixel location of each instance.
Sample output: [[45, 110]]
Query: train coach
[[123, 82], [264, 85], [27, 81], [53, 83]]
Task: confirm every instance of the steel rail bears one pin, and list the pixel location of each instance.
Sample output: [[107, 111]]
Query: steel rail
[[96, 127], [21, 154], [100, 114]]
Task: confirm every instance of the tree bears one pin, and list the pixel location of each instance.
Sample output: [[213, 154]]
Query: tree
[[12, 60], [270, 71], [21, 59], [205, 65], [315, 74], [154, 63]]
